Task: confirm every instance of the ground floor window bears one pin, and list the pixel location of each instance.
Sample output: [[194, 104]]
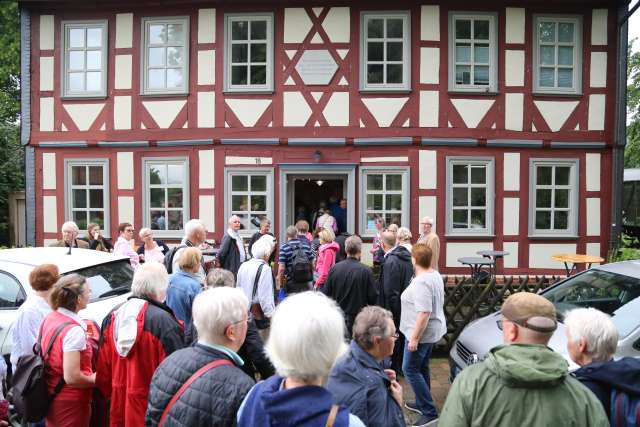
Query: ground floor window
[[249, 196], [166, 195], [384, 194], [87, 193]]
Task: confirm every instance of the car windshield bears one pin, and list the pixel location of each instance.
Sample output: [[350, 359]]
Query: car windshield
[[113, 278], [614, 294]]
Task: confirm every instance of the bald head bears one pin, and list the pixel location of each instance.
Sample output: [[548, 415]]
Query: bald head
[[388, 240], [234, 222]]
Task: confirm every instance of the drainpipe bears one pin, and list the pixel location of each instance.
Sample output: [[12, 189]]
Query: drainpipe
[[25, 124]]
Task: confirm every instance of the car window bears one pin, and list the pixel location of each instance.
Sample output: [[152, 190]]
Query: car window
[[606, 291], [11, 293], [109, 279]]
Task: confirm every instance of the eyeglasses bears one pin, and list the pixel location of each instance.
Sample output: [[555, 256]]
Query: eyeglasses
[[129, 230], [499, 323]]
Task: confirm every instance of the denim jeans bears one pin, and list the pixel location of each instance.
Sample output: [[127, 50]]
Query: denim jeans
[[415, 366]]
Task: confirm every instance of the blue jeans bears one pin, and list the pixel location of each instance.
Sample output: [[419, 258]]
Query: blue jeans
[[415, 365]]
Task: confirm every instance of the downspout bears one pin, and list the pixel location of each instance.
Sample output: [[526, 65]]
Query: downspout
[[25, 125]]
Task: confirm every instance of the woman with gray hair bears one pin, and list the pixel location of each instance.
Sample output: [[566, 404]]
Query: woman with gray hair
[[307, 333], [403, 238]]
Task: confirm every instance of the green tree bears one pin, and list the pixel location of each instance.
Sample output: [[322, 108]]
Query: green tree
[[632, 150], [11, 151]]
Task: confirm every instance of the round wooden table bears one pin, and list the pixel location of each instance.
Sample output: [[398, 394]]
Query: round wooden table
[[576, 259]]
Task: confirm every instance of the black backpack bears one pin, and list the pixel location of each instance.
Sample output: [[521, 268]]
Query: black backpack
[[301, 270], [30, 393], [168, 258]]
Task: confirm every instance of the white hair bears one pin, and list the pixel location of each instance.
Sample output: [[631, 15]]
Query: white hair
[[143, 231], [596, 328], [193, 226], [428, 220], [70, 224], [403, 235], [307, 336], [150, 280], [215, 309], [231, 218], [263, 247]]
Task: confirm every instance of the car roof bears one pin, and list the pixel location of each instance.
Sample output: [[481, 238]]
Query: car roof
[[79, 258], [626, 268]]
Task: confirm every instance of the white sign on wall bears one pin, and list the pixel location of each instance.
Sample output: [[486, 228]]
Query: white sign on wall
[[316, 67]]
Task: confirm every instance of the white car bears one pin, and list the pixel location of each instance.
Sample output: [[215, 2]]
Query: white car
[[109, 275]]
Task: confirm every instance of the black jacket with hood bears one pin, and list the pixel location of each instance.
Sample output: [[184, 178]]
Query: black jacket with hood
[[396, 272]]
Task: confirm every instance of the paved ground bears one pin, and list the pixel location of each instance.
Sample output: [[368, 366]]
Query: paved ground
[[439, 385]]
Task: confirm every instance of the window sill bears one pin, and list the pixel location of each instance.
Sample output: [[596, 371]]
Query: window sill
[[552, 236], [248, 91], [83, 97], [470, 236], [558, 94], [472, 92], [163, 94], [383, 90]]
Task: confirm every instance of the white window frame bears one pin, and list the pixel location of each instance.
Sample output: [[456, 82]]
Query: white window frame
[[573, 187], [229, 18], [144, 55], [489, 164], [228, 174], [66, 48], [68, 193], [492, 87], [405, 192], [577, 55], [186, 195], [406, 51]]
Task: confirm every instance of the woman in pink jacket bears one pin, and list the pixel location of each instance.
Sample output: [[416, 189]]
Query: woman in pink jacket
[[326, 256]]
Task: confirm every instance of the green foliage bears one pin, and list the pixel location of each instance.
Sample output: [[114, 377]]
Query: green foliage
[[628, 250], [632, 150]]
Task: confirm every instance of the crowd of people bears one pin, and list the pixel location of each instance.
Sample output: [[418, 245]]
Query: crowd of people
[[320, 341]]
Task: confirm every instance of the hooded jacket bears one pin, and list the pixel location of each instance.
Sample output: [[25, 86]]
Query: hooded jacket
[[136, 337], [326, 260], [520, 385], [396, 272], [603, 377]]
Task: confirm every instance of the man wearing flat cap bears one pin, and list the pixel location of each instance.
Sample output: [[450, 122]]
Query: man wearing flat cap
[[522, 382]]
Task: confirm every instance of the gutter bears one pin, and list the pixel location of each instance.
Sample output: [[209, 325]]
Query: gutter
[[25, 125]]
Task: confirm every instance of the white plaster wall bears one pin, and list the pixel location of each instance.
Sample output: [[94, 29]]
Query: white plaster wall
[[165, 112], [384, 109], [337, 24], [48, 242], [511, 172], [206, 25], [428, 169], [556, 113], [46, 32], [124, 30], [472, 110], [596, 111], [83, 115], [49, 171], [46, 73], [428, 206], [367, 257], [241, 160], [296, 109], [459, 250], [125, 209], [515, 25], [296, 24], [598, 71], [511, 216], [599, 27], [337, 109], [593, 249], [206, 67], [430, 23], [429, 106], [123, 72], [514, 68], [429, 65], [206, 109], [540, 254], [593, 171], [206, 167], [122, 112], [511, 260], [514, 111], [46, 114], [50, 220], [248, 111], [593, 216], [384, 159], [125, 170], [207, 212]]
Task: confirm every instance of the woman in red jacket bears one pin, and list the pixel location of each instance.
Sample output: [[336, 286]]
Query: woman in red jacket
[[326, 256], [68, 363]]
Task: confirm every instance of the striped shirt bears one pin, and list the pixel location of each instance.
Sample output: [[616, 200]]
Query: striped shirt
[[286, 252]]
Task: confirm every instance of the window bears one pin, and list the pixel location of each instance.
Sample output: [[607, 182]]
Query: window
[[249, 53], [11, 293], [87, 193], [166, 195], [470, 191], [553, 197], [386, 56], [250, 196], [84, 63], [557, 54], [165, 59], [473, 54], [385, 195]]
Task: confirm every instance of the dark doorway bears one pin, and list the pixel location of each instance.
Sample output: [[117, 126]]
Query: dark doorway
[[309, 193]]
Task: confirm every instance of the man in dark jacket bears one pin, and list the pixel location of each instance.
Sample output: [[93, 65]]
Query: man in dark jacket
[[396, 271], [358, 380], [213, 399], [350, 283], [265, 226], [232, 253]]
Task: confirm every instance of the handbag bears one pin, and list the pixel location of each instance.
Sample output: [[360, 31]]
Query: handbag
[[256, 309]]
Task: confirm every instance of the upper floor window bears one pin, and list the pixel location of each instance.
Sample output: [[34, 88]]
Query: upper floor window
[[553, 197], [385, 195], [165, 56], [470, 190], [249, 53], [473, 58], [84, 62], [166, 195], [557, 54], [87, 193], [386, 54]]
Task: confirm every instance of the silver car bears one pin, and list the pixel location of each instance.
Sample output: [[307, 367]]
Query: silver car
[[611, 288]]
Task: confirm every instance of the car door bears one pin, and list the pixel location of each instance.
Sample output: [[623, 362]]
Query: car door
[[12, 295]]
